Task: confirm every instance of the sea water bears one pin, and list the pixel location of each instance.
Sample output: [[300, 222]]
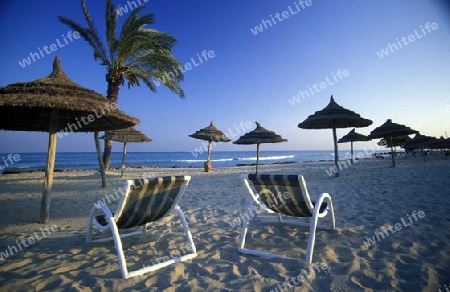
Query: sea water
[[89, 160]]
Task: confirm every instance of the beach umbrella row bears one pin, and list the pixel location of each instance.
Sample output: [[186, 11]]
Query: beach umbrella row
[[418, 142], [440, 143], [258, 136], [333, 116], [54, 104]]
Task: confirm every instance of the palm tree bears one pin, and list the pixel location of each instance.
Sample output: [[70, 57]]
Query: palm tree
[[136, 54]]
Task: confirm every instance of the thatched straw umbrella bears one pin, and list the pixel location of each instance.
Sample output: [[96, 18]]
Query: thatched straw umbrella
[[351, 137], [331, 117], [441, 143], [419, 142], [388, 131], [56, 103], [124, 136], [210, 134], [258, 136]]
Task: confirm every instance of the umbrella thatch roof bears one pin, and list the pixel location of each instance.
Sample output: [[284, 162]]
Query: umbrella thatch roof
[[352, 136], [440, 143], [419, 141], [126, 135], [334, 116], [258, 136], [26, 106], [210, 133], [390, 129]]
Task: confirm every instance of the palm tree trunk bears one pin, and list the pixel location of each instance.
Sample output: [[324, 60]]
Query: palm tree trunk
[[107, 153], [112, 95]]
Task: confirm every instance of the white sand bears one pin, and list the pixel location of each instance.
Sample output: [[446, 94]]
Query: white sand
[[368, 196]]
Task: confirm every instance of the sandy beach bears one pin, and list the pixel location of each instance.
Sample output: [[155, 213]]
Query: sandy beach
[[393, 233]]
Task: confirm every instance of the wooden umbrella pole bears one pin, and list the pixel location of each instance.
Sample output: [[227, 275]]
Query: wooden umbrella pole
[[100, 159], [336, 157], [257, 157], [123, 158], [209, 150], [49, 168], [392, 153], [351, 146]]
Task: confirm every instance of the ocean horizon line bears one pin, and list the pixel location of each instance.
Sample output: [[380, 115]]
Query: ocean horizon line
[[186, 151]]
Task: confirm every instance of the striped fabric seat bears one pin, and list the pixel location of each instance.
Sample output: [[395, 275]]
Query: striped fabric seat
[[284, 195], [148, 200], [145, 201]]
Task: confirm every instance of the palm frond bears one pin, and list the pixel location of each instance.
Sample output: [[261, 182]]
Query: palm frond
[[86, 35], [93, 30], [134, 21], [111, 28]]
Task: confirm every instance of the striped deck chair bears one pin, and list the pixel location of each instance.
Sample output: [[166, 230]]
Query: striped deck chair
[[145, 201], [284, 195]]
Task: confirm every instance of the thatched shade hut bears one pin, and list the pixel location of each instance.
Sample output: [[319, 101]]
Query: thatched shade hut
[[441, 143], [334, 116], [351, 137], [258, 136], [210, 134], [388, 131], [125, 136], [56, 103], [419, 142]]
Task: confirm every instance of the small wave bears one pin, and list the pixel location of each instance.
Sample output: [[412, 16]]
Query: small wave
[[23, 166], [222, 160], [268, 157], [189, 160], [203, 160]]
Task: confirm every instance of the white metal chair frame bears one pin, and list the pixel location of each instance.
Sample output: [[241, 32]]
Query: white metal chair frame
[[113, 218], [313, 208]]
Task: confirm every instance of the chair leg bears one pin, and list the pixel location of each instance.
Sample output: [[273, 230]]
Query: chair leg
[[89, 226], [119, 248], [312, 237], [186, 228], [313, 223], [332, 219], [280, 220], [245, 226]]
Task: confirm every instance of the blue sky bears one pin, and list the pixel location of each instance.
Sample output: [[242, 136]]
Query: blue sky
[[252, 77]]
